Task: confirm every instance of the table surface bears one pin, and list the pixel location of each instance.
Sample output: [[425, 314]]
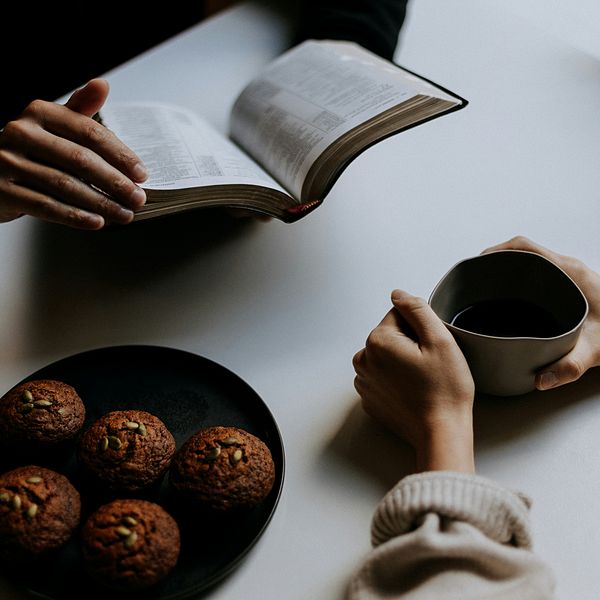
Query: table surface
[[287, 306]]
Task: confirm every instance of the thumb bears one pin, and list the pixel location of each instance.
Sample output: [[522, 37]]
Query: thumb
[[426, 325], [89, 99], [566, 370]]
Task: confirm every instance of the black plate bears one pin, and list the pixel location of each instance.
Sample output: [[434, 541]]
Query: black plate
[[187, 392]]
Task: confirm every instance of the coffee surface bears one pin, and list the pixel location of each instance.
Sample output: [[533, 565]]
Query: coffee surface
[[508, 317]]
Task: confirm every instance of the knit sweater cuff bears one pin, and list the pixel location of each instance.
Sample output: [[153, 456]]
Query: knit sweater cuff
[[501, 514]]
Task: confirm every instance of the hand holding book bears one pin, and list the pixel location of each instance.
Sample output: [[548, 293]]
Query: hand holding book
[[59, 165], [293, 130]]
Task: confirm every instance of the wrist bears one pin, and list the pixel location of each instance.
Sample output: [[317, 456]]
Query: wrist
[[447, 446]]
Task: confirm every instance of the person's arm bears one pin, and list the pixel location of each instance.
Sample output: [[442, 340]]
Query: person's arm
[[442, 532], [373, 24], [60, 165], [586, 353]]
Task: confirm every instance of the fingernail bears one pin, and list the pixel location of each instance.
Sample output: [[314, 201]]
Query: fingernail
[[139, 172], [139, 197], [94, 221], [547, 380], [125, 216]]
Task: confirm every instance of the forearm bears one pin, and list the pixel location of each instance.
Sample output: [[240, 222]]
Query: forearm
[[447, 446]]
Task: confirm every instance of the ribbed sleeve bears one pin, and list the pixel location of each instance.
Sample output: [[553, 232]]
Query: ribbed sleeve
[[451, 536], [500, 514]]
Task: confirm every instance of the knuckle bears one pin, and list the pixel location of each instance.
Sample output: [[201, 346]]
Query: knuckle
[[95, 133], [122, 187], [14, 130], [357, 359], [414, 303], [64, 184], [74, 216], [104, 205], [376, 341], [35, 108], [82, 159], [377, 344], [442, 341], [574, 266], [574, 368], [520, 241], [127, 158]]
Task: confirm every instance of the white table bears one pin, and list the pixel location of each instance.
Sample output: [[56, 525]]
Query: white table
[[286, 306]]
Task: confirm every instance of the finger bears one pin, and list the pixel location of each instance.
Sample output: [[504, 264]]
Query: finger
[[356, 384], [521, 242], [358, 360], [67, 189], [9, 213], [395, 325], [427, 326], [83, 131], [568, 369], [79, 161], [391, 320], [359, 386], [44, 207], [89, 99]]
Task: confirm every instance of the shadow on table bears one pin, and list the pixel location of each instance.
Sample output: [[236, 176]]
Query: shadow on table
[[498, 420], [363, 445], [132, 255], [97, 280]]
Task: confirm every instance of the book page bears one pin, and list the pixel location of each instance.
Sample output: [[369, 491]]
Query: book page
[[309, 97], [181, 150]]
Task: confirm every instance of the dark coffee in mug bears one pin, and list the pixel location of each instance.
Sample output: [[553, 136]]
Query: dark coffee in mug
[[508, 317]]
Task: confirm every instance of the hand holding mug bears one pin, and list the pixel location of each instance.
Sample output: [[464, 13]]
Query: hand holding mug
[[414, 380], [586, 352]]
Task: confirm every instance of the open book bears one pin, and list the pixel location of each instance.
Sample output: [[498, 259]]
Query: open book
[[292, 131]]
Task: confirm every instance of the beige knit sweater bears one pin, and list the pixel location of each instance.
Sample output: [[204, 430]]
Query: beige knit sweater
[[444, 535]]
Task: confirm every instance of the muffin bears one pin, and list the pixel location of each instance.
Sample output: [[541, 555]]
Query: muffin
[[40, 414], [126, 450], [129, 544], [39, 510], [223, 469]]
